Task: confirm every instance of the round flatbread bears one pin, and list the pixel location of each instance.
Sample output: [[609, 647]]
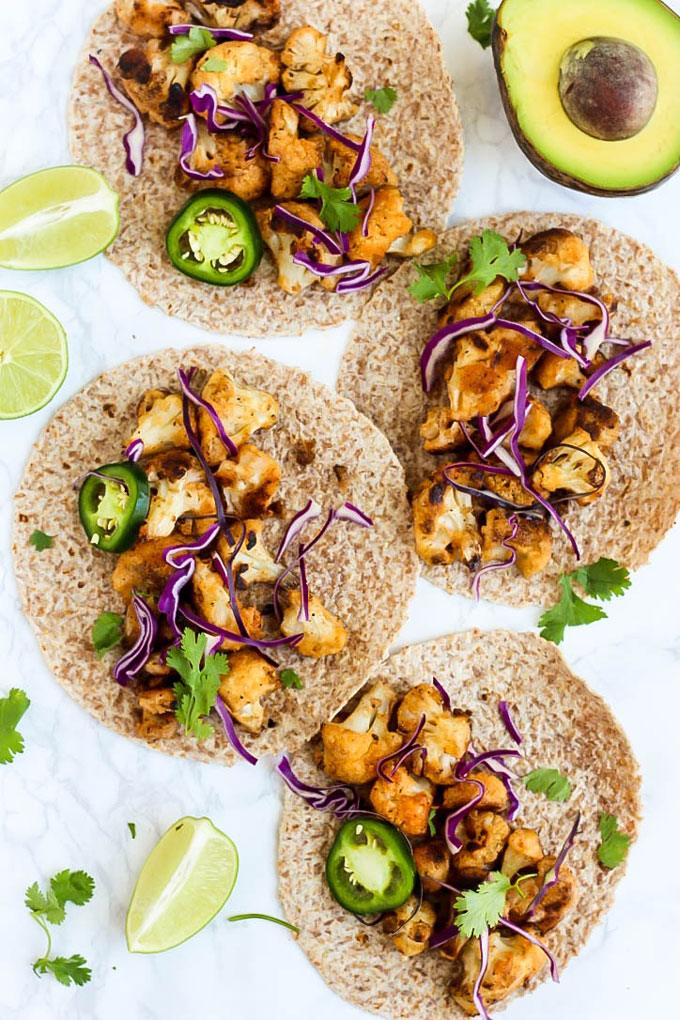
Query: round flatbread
[[384, 43], [325, 449], [564, 725], [381, 374]]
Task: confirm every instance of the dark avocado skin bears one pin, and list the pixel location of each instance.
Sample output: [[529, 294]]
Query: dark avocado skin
[[498, 40]]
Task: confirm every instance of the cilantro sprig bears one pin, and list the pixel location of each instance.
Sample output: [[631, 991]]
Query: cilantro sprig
[[602, 580], [39, 540], [195, 42], [107, 632], [490, 257], [12, 709], [482, 908], [214, 64], [382, 99], [338, 211], [290, 679], [480, 22], [550, 782], [614, 845], [431, 824], [196, 691], [50, 908]]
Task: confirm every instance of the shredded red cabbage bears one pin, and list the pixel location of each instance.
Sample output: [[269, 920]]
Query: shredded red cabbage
[[173, 554], [185, 386], [554, 973], [444, 693], [232, 735], [362, 281], [168, 603], [362, 164], [326, 128], [367, 214], [301, 519], [402, 753], [134, 450], [484, 963], [200, 456], [513, 521], [303, 615], [225, 570], [438, 346], [129, 664], [456, 817], [226, 34], [349, 512], [508, 722], [322, 236], [242, 639], [604, 370], [552, 877], [341, 800], [134, 139], [188, 147], [440, 938]]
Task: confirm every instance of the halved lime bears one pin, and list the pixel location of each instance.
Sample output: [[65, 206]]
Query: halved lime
[[56, 217], [186, 880], [33, 355]]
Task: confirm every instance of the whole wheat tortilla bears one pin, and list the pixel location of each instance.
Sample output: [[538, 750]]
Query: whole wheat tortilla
[[380, 372], [325, 449], [563, 724], [384, 43]]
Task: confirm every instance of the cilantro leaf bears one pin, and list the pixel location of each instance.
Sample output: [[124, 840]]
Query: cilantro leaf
[[133, 829], [12, 708], [214, 64], [479, 909], [107, 632], [613, 849], [36, 900], [200, 674], [430, 821], [602, 579], [480, 22], [551, 782], [490, 257], [431, 282], [197, 41], [338, 211], [67, 970], [570, 611], [289, 678], [39, 540], [382, 99], [72, 887]]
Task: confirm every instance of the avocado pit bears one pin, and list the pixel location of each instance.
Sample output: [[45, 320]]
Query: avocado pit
[[608, 87]]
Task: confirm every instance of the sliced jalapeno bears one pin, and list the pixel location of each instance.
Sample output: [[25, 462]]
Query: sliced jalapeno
[[113, 504], [215, 238], [370, 867]]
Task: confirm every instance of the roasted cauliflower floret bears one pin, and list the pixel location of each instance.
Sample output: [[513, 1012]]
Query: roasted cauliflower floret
[[242, 14], [339, 162], [410, 934], [247, 176], [297, 156], [577, 465], [477, 383], [558, 258], [512, 962], [415, 244], [143, 568], [440, 432], [150, 17], [249, 482], [241, 409], [212, 602], [249, 679], [483, 835], [386, 224], [537, 427], [532, 542], [444, 522], [406, 801], [566, 306], [156, 85], [285, 241], [245, 69], [352, 748], [178, 487], [556, 904], [157, 725], [156, 701], [253, 562], [601, 423], [523, 850], [495, 797], [445, 736], [323, 80], [323, 634], [432, 860], [466, 304], [159, 423]]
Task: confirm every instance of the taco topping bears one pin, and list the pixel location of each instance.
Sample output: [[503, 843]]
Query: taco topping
[[215, 238], [113, 505], [370, 867]]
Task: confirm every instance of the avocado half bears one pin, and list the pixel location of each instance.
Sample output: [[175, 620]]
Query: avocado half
[[530, 40]]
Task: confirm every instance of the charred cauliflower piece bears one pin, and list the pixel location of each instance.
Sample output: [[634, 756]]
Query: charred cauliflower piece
[[553, 371], [444, 522], [242, 14], [157, 701], [248, 177], [178, 487], [352, 748], [323, 634], [601, 423], [555, 905], [477, 382], [483, 834], [406, 801], [284, 241], [440, 431], [339, 163], [212, 602], [495, 797], [411, 934], [297, 156], [465, 304], [532, 543], [559, 259], [241, 409], [249, 679], [387, 225], [537, 427], [253, 562], [577, 465], [160, 425], [444, 735], [143, 568], [512, 962], [566, 306], [324, 80], [249, 482], [158, 720], [432, 860], [150, 17], [247, 69], [523, 850], [156, 85]]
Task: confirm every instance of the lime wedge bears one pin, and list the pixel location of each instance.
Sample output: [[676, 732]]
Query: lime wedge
[[56, 217], [186, 880], [33, 355]]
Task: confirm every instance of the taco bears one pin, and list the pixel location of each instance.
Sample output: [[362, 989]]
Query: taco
[[252, 528], [252, 132], [532, 406], [474, 810]]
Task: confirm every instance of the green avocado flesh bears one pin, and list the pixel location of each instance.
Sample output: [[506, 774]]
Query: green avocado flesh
[[531, 39]]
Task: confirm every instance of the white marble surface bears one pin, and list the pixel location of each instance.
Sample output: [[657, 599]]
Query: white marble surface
[[67, 799]]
